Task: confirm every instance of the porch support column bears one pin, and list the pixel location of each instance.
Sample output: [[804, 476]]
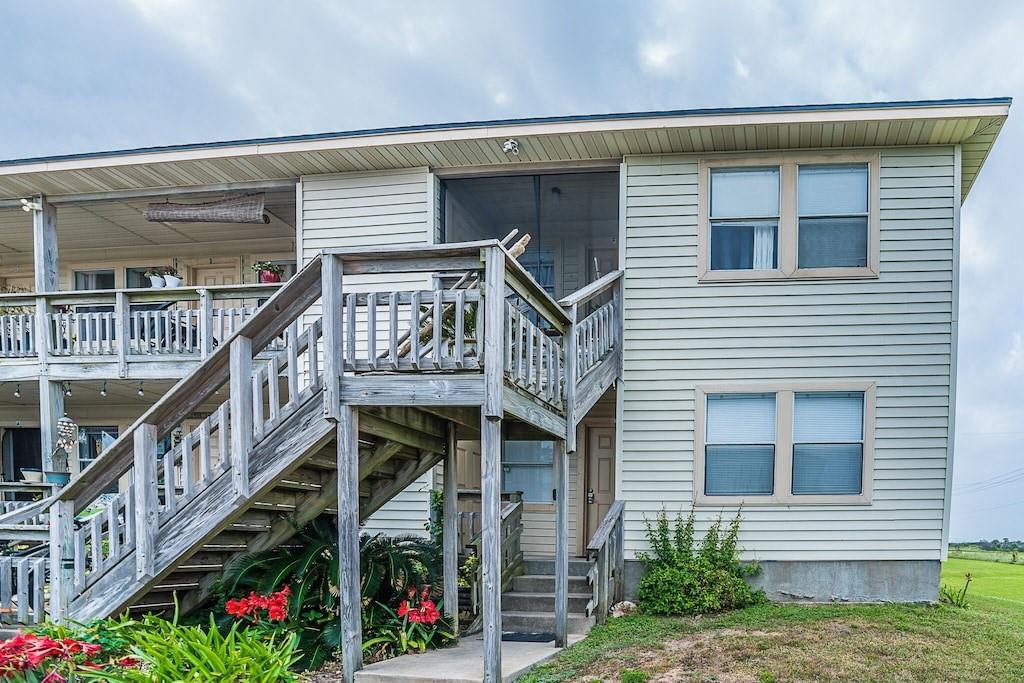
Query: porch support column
[[51, 409], [450, 532], [561, 544], [490, 462], [348, 540], [45, 266]]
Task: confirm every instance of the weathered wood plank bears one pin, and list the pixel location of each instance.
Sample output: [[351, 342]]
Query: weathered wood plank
[[146, 512], [561, 544], [450, 533], [348, 541]]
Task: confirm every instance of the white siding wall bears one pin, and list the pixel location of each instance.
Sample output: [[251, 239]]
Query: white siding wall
[[895, 330], [367, 209]]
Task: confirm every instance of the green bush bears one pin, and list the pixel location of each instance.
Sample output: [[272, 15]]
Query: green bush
[[683, 578], [169, 651]]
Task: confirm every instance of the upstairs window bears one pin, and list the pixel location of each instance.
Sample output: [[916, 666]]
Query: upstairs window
[[833, 216], [744, 218], [788, 216]]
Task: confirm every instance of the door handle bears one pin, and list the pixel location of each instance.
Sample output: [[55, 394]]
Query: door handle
[[590, 496]]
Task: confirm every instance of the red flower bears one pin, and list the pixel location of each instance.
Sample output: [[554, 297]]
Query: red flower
[[403, 609], [128, 662], [253, 605], [53, 677]]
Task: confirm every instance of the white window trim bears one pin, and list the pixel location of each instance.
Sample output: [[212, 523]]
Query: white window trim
[[784, 395], [788, 216]]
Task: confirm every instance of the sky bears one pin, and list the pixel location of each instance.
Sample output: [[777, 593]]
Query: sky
[[112, 74]]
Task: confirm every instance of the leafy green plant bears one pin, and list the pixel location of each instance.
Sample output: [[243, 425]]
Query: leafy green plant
[[633, 676], [957, 597], [414, 627], [388, 565], [766, 676], [169, 651], [468, 570], [435, 525], [683, 578]]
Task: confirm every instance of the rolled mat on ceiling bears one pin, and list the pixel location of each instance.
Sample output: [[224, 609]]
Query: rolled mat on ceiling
[[248, 208]]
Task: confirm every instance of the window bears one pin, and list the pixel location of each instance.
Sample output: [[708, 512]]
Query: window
[[833, 216], [781, 216], [740, 450], [744, 218], [94, 279], [528, 467], [828, 442], [92, 441], [790, 443]]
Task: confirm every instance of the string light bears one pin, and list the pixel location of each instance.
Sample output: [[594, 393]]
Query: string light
[[103, 389], [140, 392], [17, 390]]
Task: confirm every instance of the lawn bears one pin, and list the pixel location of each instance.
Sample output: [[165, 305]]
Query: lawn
[[818, 643]]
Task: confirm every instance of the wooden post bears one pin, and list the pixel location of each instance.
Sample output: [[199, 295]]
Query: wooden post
[[62, 559], [241, 412], [205, 323], [494, 306], [450, 533], [44, 246], [561, 544], [331, 321], [51, 409], [490, 545], [145, 500], [348, 540], [122, 331], [569, 343]]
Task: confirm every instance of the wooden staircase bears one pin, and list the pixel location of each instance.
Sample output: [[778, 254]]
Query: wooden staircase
[[323, 396]]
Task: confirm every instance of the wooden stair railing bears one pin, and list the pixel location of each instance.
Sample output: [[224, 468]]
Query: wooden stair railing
[[510, 534], [606, 575]]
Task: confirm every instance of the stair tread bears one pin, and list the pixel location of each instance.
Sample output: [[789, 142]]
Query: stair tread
[[535, 594]]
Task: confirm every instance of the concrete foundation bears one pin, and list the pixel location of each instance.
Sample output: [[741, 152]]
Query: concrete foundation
[[836, 581]]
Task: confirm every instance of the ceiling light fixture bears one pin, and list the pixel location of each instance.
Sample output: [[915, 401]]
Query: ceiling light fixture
[[17, 390], [67, 389], [140, 392], [103, 389]]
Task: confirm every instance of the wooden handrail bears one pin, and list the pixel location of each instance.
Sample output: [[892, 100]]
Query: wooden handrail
[[602, 533], [267, 323], [140, 294], [594, 289]]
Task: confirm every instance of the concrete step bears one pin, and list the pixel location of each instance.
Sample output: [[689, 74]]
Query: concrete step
[[542, 622], [542, 602], [546, 565], [541, 583]]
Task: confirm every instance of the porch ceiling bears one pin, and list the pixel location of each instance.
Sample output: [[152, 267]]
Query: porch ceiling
[[96, 226], [972, 123]]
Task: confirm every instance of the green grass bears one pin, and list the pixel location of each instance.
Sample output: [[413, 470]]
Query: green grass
[[819, 643], [976, 553]]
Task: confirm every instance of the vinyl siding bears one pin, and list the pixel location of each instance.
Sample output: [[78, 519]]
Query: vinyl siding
[[896, 331], [374, 209]]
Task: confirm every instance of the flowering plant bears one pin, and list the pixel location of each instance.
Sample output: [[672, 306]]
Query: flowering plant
[[252, 607], [414, 627], [35, 658]]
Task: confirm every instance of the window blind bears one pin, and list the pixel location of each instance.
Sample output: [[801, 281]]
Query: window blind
[[832, 190], [739, 458], [745, 192], [828, 449]]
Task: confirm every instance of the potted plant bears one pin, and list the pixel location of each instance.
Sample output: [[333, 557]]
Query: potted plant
[[156, 278], [171, 276], [268, 272]]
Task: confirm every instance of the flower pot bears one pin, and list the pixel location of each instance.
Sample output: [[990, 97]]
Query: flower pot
[[157, 281], [57, 477], [268, 277], [172, 280], [31, 474]]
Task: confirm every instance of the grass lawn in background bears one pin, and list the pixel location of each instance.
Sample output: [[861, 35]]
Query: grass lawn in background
[[818, 643]]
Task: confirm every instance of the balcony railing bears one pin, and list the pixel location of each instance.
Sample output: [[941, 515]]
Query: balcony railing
[[125, 324]]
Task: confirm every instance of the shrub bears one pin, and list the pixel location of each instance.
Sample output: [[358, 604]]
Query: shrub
[[684, 579], [414, 627], [169, 651]]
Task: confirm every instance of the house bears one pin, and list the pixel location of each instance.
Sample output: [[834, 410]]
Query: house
[[716, 308]]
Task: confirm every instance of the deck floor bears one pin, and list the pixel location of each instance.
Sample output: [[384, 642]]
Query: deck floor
[[460, 664]]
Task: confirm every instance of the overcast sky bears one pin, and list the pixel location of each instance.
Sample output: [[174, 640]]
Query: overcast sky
[[80, 76]]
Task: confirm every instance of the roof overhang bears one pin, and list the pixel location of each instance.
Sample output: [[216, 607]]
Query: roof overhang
[[971, 123]]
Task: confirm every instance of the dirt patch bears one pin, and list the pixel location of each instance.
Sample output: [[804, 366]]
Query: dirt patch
[[828, 651]]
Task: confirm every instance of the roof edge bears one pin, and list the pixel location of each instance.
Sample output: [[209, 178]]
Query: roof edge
[[468, 125]]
